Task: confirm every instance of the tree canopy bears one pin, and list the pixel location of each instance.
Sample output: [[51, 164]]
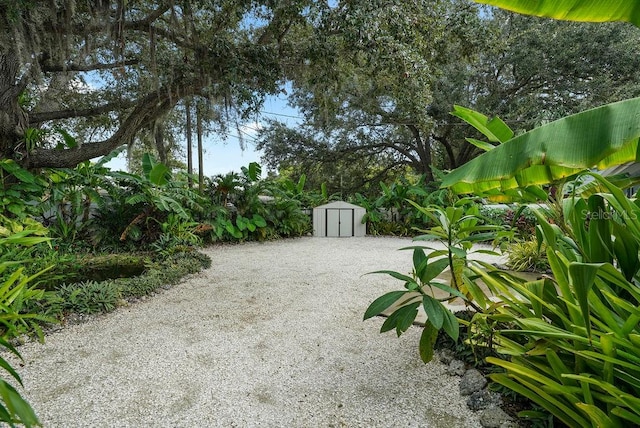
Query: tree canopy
[[102, 71], [396, 71], [375, 81]]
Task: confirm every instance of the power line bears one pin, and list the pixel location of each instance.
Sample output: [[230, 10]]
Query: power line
[[243, 138], [251, 127], [280, 114]]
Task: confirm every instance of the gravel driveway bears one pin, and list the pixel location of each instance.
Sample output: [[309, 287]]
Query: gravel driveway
[[270, 336]]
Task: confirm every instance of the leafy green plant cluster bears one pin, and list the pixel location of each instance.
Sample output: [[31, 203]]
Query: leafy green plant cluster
[[161, 275], [392, 213], [457, 228], [520, 220], [572, 337], [288, 218], [242, 227], [91, 208], [155, 202], [18, 237], [465, 348], [255, 209], [296, 191], [527, 256], [18, 189], [569, 341], [90, 297], [16, 291], [14, 410]]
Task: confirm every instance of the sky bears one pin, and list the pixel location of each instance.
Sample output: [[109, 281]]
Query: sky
[[223, 156]]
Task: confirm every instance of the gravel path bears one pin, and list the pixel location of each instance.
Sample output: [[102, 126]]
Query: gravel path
[[270, 336]]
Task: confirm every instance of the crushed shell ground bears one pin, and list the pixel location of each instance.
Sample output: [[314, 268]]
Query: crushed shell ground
[[270, 336]]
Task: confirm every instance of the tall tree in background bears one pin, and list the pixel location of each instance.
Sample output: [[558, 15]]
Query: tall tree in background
[[398, 67], [530, 71], [189, 137], [109, 69], [199, 132], [368, 80]]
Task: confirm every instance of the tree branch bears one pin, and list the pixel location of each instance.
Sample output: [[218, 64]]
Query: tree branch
[[387, 145], [54, 68], [147, 109], [83, 29], [46, 116], [448, 148]]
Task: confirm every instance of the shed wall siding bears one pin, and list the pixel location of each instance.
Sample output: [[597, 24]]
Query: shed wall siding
[[338, 219]]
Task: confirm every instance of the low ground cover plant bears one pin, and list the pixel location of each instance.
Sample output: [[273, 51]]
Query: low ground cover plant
[[91, 296], [527, 256]]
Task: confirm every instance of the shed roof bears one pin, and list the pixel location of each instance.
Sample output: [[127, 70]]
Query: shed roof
[[338, 205]]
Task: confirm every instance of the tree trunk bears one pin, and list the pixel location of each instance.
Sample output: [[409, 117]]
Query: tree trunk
[[13, 120], [187, 106], [200, 151], [424, 152], [468, 152], [158, 135]]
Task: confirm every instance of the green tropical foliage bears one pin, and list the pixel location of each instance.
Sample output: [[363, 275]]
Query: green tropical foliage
[[18, 186], [153, 196], [16, 290], [394, 209], [13, 408], [374, 85], [457, 228], [573, 10], [570, 339], [527, 256], [552, 152], [419, 292], [72, 195]]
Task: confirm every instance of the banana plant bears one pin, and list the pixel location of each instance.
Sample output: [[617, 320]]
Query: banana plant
[[571, 340], [252, 172], [157, 191], [601, 137], [573, 10], [598, 138]]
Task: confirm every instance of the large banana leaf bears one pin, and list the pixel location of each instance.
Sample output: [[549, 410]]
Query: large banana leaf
[[574, 10], [600, 138], [493, 128]]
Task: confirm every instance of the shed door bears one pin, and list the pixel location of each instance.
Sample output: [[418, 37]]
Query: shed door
[[339, 222]]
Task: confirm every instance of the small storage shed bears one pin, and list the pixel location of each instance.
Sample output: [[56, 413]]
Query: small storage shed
[[338, 219]]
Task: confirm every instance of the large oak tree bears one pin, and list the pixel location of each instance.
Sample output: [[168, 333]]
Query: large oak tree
[[103, 70], [398, 67]]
